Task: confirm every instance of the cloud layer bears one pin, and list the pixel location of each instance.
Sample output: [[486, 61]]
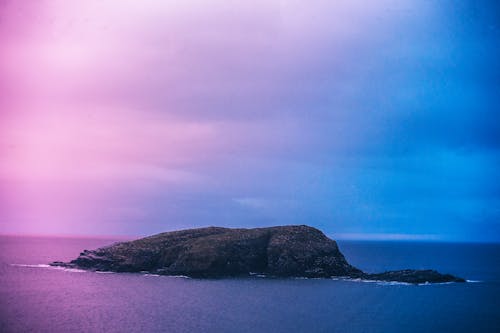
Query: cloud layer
[[356, 118]]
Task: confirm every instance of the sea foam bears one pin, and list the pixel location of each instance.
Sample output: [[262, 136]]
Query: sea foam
[[72, 270]]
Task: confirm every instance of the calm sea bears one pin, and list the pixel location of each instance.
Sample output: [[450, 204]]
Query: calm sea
[[38, 299]]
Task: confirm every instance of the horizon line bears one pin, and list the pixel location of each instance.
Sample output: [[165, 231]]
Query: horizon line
[[365, 237]]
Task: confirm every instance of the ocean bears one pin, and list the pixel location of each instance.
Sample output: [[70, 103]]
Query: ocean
[[37, 298]]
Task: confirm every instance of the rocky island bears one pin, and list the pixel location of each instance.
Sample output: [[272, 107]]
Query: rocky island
[[283, 251]]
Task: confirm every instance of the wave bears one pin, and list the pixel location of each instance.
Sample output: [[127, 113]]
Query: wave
[[394, 283], [179, 276], [32, 265], [382, 283], [168, 276], [378, 282], [259, 275], [72, 270]]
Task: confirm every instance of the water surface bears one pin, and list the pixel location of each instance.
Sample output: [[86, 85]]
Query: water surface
[[34, 298]]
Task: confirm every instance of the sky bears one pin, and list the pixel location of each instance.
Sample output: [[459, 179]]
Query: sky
[[365, 119]]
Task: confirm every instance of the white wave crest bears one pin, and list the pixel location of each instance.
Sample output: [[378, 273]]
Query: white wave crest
[[381, 283], [32, 265], [72, 270], [179, 276]]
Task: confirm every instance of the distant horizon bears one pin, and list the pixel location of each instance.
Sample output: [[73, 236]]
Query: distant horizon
[[336, 237]]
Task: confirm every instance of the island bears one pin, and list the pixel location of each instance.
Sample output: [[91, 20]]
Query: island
[[215, 252]]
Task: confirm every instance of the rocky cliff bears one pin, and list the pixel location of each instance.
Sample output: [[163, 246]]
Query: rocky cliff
[[284, 251]]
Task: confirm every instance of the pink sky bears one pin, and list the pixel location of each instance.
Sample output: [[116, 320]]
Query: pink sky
[[154, 115]]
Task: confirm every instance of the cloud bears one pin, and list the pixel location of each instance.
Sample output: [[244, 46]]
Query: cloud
[[355, 117], [254, 203]]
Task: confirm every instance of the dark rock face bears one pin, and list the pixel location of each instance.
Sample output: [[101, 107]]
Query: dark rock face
[[286, 251], [414, 276]]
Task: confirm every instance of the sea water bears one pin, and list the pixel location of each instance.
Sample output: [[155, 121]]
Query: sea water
[[37, 298]]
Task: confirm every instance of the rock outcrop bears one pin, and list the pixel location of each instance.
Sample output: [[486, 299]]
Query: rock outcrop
[[284, 251]]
